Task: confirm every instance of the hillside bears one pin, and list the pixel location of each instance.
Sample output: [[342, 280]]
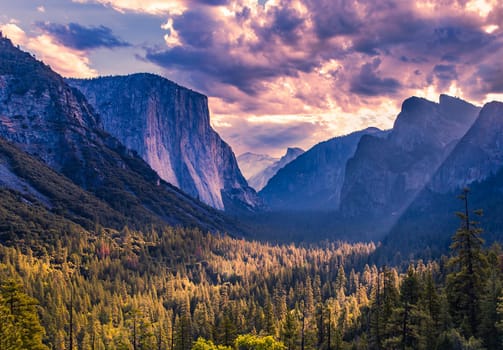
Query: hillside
[[41, 115]]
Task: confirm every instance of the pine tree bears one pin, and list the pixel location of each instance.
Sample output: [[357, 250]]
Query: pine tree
[[20, 327], [489, 332], [465, 283], [499, 324], [290, 330], [403, 331], [429, 305], [183, 326]]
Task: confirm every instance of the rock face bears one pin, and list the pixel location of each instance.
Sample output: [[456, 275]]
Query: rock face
[[386, 174], [253, 163], [48, 119], [259, 180], [477, 156], [169, 126], [314, 180]]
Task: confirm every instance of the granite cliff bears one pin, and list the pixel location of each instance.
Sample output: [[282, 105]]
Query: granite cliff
[[42, 115], [169, 127]]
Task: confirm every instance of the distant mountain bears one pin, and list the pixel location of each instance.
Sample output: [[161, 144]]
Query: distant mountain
[[253, 163], [43, 116], [169, 126], [386, 174], [259, 180], [314, 180]]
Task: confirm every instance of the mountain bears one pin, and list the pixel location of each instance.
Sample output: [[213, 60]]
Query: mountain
[[259, 180], [169, 127], [386, 174], [253, 163], [41, 115], [476, 162], [477, 156], [314, 180]]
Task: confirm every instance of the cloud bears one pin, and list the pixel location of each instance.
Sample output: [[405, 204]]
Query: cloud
[[80, 37], [322, 57], [490, 78], [341, 65], [265, 134], [334, 18], [367, 82], [66, 61]]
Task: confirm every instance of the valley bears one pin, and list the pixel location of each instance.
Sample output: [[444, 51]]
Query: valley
[[127, 223]]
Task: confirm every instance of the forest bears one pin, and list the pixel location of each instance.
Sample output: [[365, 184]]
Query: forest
[[181, 289]]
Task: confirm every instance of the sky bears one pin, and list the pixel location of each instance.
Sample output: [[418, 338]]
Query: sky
[[278, 73]]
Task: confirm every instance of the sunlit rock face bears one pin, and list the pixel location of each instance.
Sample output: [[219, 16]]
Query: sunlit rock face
[[386, 174], [313, 181], [169, 126]]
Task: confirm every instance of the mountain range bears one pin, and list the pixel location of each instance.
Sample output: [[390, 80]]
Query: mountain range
[[314, 180], [139, 150], [400, 185]]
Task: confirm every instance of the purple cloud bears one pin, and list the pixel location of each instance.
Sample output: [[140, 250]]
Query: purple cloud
[[368, 82], [80, 37]]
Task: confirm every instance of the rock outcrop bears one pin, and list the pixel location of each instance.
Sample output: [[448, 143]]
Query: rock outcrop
[[169, 127]]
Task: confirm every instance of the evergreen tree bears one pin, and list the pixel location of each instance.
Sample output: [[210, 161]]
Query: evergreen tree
[[403, 331], [20, 326], [491, 336], [290, 330], [430, 307], [465, 283]]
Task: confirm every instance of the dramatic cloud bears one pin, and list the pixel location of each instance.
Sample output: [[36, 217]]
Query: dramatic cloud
[[156, 7], [79, 37], [317, 57], [292, 71], [367, 82]]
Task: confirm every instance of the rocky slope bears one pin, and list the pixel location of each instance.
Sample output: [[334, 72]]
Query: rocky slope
[[259, 180], [169, 126], [43, 116], [314, 180], [386, 174]]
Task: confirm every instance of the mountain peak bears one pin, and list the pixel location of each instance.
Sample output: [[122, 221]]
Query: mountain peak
[[260, 178], [293, 152], [414, 102]]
